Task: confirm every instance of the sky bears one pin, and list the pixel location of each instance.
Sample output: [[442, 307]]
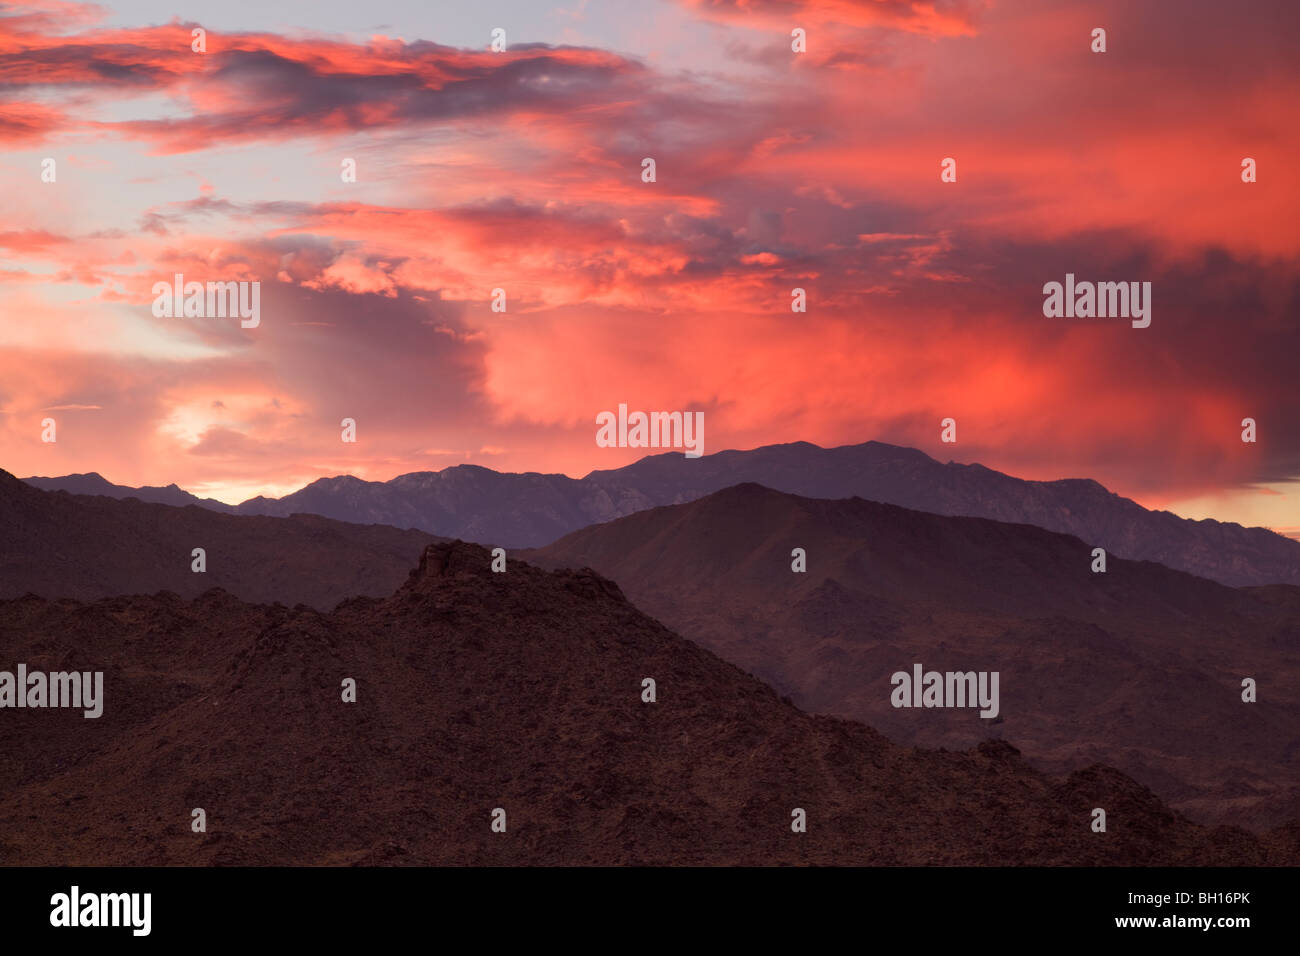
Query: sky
[[521, 170]]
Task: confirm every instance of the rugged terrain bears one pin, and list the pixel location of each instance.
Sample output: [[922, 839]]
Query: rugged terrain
[[522, 691], [1140, 667]]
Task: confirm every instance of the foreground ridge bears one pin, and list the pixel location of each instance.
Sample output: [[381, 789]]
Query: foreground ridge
[[519, 691]]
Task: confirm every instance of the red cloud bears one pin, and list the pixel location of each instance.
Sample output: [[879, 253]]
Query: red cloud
[[931, 17]]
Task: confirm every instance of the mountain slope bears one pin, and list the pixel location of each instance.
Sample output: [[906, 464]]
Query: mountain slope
[[1139, 667], [529, 510], [81, 546], [521, 691]]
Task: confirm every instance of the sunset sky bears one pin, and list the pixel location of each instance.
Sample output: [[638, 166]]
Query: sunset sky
[[522, 170]]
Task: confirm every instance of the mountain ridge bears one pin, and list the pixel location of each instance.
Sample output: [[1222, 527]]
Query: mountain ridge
[[1140, 667], [520, 691], [531, 509], [61, 545]]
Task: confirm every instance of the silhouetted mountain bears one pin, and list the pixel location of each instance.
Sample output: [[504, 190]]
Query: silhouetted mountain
[[96, 484], [60, 545], [472, 503], [520, 691], [529, 510], [1140, 667]]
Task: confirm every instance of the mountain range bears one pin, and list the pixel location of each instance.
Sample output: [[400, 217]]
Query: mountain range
[[1139, 666], [531, 509], [520, 692], [86, 546]]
